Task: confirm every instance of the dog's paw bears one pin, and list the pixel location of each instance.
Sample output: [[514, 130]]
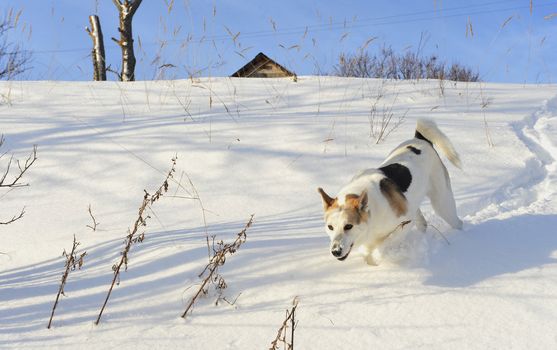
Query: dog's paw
[[370, 260], [374, 258]]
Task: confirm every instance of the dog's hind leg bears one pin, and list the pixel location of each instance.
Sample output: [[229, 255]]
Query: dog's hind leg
[[442, 198], [421, 224]]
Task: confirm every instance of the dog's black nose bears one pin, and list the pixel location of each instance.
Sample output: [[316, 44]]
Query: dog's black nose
[[336, 251]]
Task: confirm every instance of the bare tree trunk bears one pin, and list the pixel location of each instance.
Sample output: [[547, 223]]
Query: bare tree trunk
[[96, 34], [127, 9]]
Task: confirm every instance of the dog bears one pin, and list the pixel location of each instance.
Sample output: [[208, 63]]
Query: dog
[[379, 202]]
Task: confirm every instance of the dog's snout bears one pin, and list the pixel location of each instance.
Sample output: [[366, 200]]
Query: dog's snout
[[336, 250]]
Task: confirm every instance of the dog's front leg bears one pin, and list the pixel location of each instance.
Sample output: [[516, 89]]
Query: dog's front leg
[[370, 260], [367, 252]]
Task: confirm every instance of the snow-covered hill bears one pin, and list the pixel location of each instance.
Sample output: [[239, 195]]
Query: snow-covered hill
[[263, 146]]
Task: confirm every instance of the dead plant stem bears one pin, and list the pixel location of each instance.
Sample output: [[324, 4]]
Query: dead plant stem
[[131, 238], [218, 259]]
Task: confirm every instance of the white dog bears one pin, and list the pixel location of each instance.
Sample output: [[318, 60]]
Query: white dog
[[379, 202]]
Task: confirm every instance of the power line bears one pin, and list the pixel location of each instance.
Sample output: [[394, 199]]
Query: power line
[[367, 22], [301, 29], [408, 20]]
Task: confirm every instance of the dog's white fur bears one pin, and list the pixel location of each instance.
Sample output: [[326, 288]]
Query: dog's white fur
[[374, 211]]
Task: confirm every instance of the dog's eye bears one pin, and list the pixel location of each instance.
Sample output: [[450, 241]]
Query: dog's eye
[[347, 227], [330, 227]]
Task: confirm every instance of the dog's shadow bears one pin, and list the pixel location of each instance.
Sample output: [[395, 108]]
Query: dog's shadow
[[493, 249]]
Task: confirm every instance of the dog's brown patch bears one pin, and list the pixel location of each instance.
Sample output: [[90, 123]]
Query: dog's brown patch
[[355, 201], [354, 206], [396, 198], [356, 216], [352, 201]]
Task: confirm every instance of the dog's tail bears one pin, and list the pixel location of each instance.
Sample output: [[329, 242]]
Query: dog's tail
[[427, 130]]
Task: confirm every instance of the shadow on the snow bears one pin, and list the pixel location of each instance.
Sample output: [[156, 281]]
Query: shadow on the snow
[[166, 262], [495, 248]]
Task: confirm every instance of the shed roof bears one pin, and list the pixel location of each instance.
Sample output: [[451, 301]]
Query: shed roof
[[256, 65]]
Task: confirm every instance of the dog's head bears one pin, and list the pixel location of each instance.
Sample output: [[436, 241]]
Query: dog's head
[[345, 220]]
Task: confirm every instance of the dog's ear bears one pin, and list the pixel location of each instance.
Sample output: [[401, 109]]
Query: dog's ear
[[363, 201], [327, 200]]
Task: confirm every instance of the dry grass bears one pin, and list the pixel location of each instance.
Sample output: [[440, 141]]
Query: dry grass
[[383, 122], [210, 272], [73, 261], [282, 333], [134, 236]]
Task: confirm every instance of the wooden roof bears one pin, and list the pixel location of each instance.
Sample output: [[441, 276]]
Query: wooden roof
[[262, 67]]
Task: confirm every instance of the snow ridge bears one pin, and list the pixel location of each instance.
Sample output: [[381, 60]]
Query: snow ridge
[[533, 188]]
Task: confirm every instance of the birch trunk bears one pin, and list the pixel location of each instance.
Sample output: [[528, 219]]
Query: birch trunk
[[127, 9], [98, 56]]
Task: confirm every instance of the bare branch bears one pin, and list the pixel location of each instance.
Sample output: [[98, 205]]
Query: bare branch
[[14, 218], [409, 65], [399, 226], [109, 69], [15, 182], [134, 6], [7, 171], [13, 59], [95, 223], [28, 162]]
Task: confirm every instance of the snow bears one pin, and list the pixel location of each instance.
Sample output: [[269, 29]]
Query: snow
[[263, 146]]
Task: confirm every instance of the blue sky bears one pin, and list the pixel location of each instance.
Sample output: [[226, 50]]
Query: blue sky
[[509, 43]]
